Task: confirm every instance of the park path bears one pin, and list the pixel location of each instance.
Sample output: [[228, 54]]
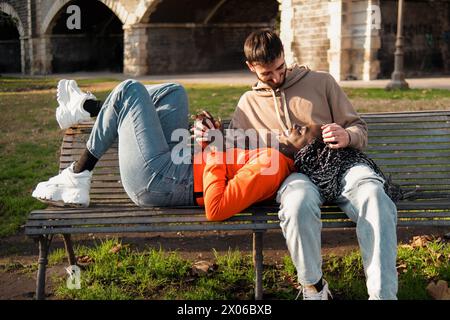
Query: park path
[[245, 77]]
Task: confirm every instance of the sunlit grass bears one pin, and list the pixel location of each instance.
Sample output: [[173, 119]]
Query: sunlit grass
[[155, 274]]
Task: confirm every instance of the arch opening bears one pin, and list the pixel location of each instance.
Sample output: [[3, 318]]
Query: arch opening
[[204, 35], [10, 51], [95, 44]]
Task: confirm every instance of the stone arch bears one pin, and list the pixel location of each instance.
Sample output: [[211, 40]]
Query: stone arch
[[15, 48], [145, 9], [115, 6], [9, 10]]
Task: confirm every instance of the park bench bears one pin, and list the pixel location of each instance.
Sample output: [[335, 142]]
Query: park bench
[[412, 147]]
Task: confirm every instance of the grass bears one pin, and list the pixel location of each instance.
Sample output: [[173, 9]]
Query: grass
[[155, 274], [16, 84], [413, 94]]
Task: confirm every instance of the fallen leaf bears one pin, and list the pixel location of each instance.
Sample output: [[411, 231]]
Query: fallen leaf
[[439, 290], [420, 241], [292, 282], [116, 248], [203, 267], [85, 259], [402, 268]]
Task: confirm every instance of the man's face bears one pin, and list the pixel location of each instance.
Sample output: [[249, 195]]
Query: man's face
[[272, 74]]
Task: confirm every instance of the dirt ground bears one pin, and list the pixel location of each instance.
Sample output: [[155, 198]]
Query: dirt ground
[[17, 252]]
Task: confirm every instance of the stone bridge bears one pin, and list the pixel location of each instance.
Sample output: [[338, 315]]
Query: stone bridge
[[137, 37]]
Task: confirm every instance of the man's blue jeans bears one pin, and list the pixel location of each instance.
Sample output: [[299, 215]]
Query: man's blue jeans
[[143, 119], [365, 203]]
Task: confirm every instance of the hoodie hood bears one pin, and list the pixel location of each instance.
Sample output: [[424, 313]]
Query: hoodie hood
[[293, 75]]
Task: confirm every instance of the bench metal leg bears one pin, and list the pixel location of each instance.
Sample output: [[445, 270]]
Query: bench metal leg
[[258, 263], [69, 249], [44, 245]]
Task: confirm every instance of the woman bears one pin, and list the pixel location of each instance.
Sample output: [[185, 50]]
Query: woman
[[143, 119]]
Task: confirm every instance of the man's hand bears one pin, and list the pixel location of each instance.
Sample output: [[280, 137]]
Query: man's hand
[[204, 122], [336, 136]]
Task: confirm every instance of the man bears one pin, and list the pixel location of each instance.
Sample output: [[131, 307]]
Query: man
[[284, 96]]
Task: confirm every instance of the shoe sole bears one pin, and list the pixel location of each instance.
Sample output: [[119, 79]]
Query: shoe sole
[[60, 197], [62, 204], [62, 97], [62, 87]]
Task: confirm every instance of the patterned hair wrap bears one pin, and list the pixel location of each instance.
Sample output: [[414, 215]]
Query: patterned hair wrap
[[326, 168]]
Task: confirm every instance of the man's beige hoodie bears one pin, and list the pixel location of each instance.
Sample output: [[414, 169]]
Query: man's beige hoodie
[[308, 97]]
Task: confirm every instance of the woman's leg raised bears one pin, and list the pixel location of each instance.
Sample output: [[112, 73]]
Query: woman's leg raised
[[148, 173]]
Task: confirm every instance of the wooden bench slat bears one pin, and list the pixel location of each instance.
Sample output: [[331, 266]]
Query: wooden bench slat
[[376, 126], [415, 169], [113, 160], [406, 147], [404, 118], [407, 133], [387, 162], [400, 140], [432, 113], [171, 219], [421, 223], [164, 228], [402, 205], [420, 176], [389, 136], [409, 154], [139, 220], [424, 182]]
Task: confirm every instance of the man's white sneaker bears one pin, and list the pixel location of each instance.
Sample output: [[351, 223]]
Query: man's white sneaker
[[66, 189], [311, 293], [71, 99]]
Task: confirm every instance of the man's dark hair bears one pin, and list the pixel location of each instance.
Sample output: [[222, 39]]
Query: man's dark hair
[[262, 47]]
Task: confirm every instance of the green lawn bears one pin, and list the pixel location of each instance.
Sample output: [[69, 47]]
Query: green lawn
[[128, 273]]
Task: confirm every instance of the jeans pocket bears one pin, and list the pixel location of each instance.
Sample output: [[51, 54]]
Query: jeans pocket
[[153, 198]]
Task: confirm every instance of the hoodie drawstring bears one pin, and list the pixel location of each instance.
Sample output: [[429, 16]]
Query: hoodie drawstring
[[285, 110]]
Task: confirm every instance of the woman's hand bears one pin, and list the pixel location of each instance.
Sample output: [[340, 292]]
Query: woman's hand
[[204, 122]]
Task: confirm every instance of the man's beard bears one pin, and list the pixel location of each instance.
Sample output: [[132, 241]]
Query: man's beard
[[273, 85]]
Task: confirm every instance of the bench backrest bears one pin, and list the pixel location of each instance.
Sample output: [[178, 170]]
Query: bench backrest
[[413, 148]]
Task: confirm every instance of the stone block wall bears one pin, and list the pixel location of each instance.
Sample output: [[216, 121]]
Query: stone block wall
[[195, 48], [310, 39]]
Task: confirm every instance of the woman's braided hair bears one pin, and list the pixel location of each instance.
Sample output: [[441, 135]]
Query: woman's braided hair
[[326, 167]]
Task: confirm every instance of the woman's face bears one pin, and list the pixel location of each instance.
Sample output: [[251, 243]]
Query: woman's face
[[300, 136]]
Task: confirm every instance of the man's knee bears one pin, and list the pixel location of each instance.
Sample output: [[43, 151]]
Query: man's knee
[[373, 191], [299, 199]]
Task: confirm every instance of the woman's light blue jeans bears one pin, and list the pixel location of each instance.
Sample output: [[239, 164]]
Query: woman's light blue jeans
[[143, 119], [364, 201]]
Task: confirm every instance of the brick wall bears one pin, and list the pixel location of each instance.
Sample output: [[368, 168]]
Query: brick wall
[[310, 40], [196, 49]]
